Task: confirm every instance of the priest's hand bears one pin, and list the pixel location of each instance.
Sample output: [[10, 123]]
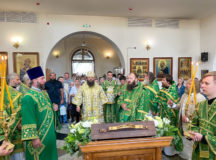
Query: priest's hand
[[78, 108], [170, 102], [184, 119], [4, 151], [36, 143], [124, 106], [197, 137], [55, 107]]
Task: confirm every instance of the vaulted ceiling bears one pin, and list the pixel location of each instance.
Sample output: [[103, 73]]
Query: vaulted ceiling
[[182, 9]]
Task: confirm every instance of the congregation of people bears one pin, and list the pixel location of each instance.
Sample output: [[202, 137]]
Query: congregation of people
[[43, 106]]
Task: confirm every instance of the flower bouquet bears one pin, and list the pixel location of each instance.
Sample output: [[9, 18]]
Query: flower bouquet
[[80, 133], [164, 128]]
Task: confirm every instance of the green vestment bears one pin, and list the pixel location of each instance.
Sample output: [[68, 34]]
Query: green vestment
[[133, 100], [164, 95], [204, 122], [23, 88], [147, 101], [14, 133], [109, 88], [119, 89], [37, 122], [151, 93]]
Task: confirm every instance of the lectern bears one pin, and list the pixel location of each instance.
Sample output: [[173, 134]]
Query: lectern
[[126, 149]]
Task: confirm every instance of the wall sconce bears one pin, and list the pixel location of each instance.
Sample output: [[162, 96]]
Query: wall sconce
[[147, 45], [16, 41], [56, 54], [108, 55]]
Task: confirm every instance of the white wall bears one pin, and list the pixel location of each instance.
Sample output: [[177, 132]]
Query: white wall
[[166, 42], [208, 41], [96, 45]]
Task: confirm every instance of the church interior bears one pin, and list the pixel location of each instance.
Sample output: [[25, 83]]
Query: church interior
[[122, 36], [114, 32]]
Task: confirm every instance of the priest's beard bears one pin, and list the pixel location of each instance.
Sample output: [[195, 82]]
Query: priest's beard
[[90, 83], [40, 86], [131, 86], [165, 86]]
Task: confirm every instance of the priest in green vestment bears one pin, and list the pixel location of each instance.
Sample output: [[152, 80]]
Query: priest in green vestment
[[25, 84], [204, 121], [120, 89], [92, 98], [15, 129], [38, 120], [109, 86], [15, 132], [130, 99], [167, 100], [151, 91]]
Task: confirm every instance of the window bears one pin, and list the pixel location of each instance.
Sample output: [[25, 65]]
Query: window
[[82, 61]]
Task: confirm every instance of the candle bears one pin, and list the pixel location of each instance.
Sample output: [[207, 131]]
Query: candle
[[2, 84], [195, 98], [1, 104], [197, 64], [192, 75], [9, 96], [10, 100], [191, 69]]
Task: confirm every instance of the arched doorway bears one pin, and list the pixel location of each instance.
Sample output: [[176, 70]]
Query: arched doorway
[[97, 44]]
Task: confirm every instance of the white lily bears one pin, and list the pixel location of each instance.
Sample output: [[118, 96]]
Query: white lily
[[87, 124], [166, 121], [155, 122], [72, 130]]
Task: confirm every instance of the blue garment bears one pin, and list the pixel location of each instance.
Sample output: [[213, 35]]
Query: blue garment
[[63, 119], [63, 114], [180, 90], [74, 91]]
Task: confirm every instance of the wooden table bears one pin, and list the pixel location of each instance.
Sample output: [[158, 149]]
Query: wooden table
[[126, 149]]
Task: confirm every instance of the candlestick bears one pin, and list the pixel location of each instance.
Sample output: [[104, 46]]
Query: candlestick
[[192, 75], [10, 100], [194, 90], [5, 124], [2, 84], [191, 69], [197, 64]]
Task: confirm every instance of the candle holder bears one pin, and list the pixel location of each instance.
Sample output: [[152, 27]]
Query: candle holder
[[187, 133], [190, 122], [6, 122]]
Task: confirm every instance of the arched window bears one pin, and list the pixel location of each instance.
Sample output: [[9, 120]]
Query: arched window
[[82, 61]]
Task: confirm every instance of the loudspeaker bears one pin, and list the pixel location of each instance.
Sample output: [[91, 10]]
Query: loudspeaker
[[204, 56]]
